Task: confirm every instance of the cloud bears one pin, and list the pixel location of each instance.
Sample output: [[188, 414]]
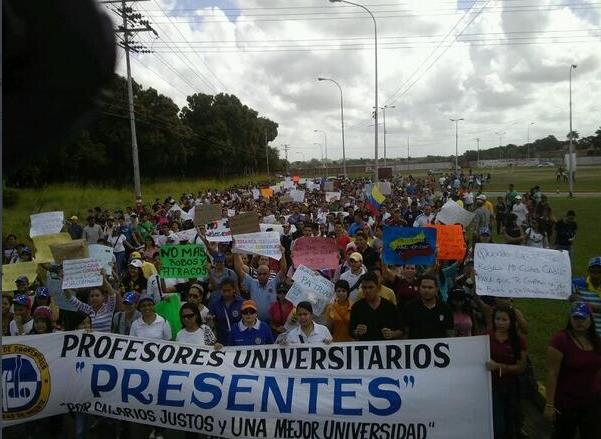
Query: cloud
[[492, 76]]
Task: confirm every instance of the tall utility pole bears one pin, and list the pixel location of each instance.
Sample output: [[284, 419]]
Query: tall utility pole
[[266, 152], [528, 140], [384, 122], [477, 139], [500, 134], [407, 153], [325, 140], [341, 121], [133, 18], [456, 121], [571, 148], [286, 148]]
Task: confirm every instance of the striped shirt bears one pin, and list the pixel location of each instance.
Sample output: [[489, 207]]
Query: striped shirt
[[101, 319], [584, 289]]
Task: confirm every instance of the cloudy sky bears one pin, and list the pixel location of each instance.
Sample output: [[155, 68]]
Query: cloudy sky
[[500, 65]]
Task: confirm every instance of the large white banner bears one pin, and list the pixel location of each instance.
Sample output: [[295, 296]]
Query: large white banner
[[400, 389], [504, 270]]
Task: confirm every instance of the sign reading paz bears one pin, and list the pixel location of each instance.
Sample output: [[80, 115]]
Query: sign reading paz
[[81, 273], [505, 270], [206, 213], [244, 223], [311, 287], [315, 252], [183, 261]]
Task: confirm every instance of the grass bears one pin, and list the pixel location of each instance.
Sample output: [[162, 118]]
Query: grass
[[545, 316]]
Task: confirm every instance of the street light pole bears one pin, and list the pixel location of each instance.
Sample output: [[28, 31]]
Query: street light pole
[[528, 141], [456, 121], [571, 147], [384, 124], [320, 149], [341, 122], [500, 134], [375, 80], [477, 139], [325, 139]]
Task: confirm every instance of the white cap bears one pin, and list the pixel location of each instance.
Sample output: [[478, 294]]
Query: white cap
[[136, 263], [518, 197], [481, 197]]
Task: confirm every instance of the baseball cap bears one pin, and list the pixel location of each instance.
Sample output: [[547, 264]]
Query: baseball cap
[[22, 280], [481, 197], [136, 263], [135, 255], [594, 262], [130, 298], [22, 299], [356, 256], [43, 311], [580, 309], [74, 218], [26, 249], [42, 292], [144, 298], [248, 304], [518, 197]]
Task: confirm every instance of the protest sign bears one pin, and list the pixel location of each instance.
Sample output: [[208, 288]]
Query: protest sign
[[10, 273], [244, 223], [409, 245], [55, 285], [311, 287], [269, 219], [332, 196], [256, 194], [42, 245], [183, 261], [231, 213], [75, 249], [81, 273], [259, 243], [186, 235], [400, 389], [266, 227], [328, 186], [285, 199], [315, 252], [504, 270], [287, 184], [104, 255], [206, 213], [450, 243], [311, 186], [47, 223], [297, 196], [385, 187], [267, 192], [453, 213], [219, 231]]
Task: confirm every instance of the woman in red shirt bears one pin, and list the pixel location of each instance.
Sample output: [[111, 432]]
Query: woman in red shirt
[[508, 359], [279, 311], [574, 377]]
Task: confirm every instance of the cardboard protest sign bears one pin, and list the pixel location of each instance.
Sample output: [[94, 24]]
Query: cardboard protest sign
[[332, 196], [244, 223], [206, 213], [409, 245], [42, 245], [504, 270], [450, 242], [453, 213], [103, 254], [183, 261], [260, 243], [219, 231], [81, 273], [297, 196], [267, 192], [315, 252], [75, 249], [47, 223], [10, 273], [311, 287]]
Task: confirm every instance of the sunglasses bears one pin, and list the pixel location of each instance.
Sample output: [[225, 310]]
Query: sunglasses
[[187, 316], [249, 311]]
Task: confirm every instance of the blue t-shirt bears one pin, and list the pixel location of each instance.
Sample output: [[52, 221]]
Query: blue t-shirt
[[257, 335], [225, 317]]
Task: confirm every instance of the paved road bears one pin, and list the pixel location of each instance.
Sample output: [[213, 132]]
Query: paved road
[[492, 194]]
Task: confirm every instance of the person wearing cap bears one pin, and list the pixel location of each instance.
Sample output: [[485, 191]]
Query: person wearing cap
[[123, 320], [22, 323], [74, 228], [352, 276], [250, 331], [25, 254], [218, 274], [520, 210], [573, 387], [482, 216], [22, 284], [148, 269], [134, 279], [43, 298], [42, 321], [307, 331], [261, 290], [588, 289], [280, 310], [225, 311]]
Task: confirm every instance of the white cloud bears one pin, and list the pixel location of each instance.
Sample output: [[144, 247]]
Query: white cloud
[[492, 85]]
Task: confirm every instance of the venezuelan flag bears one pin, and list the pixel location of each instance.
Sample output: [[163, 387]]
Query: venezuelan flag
[[375, 200]]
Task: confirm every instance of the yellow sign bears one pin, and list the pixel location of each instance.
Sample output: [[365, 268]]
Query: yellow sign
[[42, 246], [10, 273]]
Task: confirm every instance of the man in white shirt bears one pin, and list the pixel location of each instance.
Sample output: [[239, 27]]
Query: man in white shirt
[[425, 218], [521, 211], [353, 275]]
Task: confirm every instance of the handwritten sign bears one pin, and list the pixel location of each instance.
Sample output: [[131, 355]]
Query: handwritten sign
[[297, 196], [219, 231], [409, 245], [183, 261], [450, 242], [10, 273], [206, 213], [261, 243], [312, 287], [332, 196], [42, 245], [75, 249], [244, 223], [104, 255], [504, 270], [47, 223], [316, 253], [453, 213], [81, 273]]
